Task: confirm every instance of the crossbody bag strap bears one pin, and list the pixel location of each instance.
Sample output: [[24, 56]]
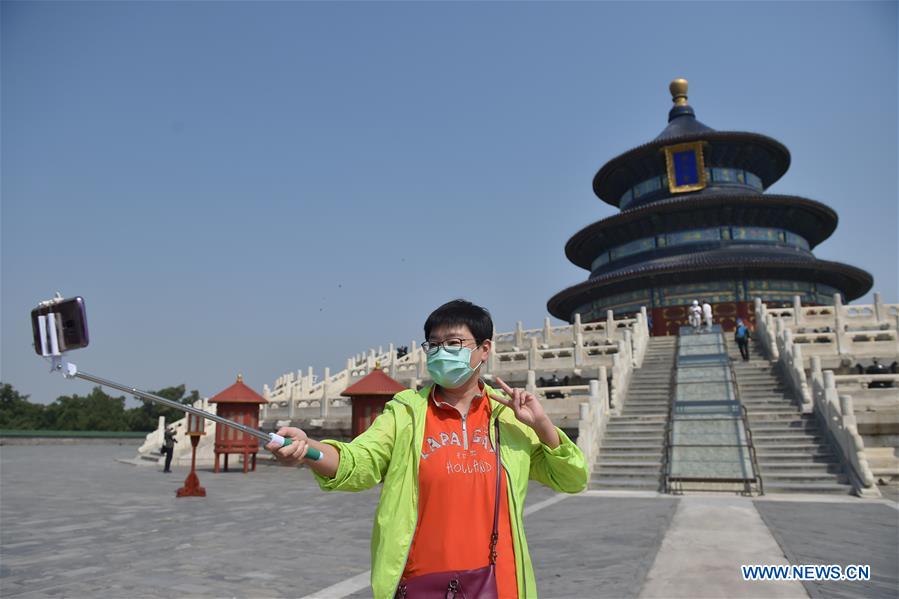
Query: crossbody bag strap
[[494, 538]]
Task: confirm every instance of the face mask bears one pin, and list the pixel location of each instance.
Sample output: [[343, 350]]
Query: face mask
[[450, 370]]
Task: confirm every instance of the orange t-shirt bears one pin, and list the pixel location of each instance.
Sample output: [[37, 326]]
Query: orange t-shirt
[[457, 491]]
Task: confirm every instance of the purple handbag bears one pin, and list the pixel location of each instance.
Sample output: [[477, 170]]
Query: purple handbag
[[460, 584]]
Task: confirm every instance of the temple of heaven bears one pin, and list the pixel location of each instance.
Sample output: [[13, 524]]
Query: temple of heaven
[[696, 224]]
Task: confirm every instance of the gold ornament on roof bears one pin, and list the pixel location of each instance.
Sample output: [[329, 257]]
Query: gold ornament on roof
[[239, 378], [678, 90]]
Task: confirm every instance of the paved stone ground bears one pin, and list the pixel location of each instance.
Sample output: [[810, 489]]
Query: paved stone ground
[[75, 523], [839, 533]]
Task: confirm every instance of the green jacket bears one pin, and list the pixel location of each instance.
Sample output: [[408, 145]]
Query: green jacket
[[389, 451]]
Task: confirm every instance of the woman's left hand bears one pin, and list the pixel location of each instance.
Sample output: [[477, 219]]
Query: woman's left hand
[[525, 405]]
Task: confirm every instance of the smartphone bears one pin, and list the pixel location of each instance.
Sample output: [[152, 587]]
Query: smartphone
[[64, 326]]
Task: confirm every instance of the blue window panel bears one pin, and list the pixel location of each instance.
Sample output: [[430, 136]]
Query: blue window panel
[[761, 234], [633, 247], [724, 175], [686, 168], [693, 236]]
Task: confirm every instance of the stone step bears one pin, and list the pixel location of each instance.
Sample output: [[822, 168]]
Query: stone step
[[786, 435], [767, 460], [770, 426], [805, 467], [632, 427], [633, 466], [791, 449], [631, 447], [778, 416], [643, 456], [818, 487], [771, 408], [658, 439], [804, 477], [600, 484]]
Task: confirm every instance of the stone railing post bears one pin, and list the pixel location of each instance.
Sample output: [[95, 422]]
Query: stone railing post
[[578, 349], [610, 325], [614, 395], [325, 402], [816, 376], [519, 335], [578, 325], [838, 312], [846, 407], [839, 315], [629, 344], [879, 309], [291, 409], [531, 386], [547, 331], [533, 356], [805, 397], [797, 311]]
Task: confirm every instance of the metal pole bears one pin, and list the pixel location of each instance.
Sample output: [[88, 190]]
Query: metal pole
[[174, 404]]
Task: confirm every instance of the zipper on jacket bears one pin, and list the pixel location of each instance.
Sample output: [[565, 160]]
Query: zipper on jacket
[[464, 433], [417, 454]]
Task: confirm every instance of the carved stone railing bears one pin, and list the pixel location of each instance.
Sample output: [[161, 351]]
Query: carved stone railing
[[791, 363], [834, 332], [578, 349], [594, 415], [837, 415]]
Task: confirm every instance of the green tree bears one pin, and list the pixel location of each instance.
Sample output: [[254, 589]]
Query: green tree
[[94, 412], [16, 412]]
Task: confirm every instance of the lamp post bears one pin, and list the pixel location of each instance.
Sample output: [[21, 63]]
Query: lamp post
[[192, 488]]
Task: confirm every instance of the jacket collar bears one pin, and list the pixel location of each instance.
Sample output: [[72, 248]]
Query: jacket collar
[[417, 401]]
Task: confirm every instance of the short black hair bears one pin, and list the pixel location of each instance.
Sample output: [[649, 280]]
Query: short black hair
[[459, 312]]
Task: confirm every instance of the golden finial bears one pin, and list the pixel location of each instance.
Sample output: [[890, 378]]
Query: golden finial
[[239, 378], [678, 90], [378, 365]]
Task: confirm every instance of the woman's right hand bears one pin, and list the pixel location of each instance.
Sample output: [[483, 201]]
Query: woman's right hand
[[293, 454]]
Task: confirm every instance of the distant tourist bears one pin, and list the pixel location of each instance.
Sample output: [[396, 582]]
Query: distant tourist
[[695, 315], [741, 336], [169, 448], [707, 314], [462, 533]]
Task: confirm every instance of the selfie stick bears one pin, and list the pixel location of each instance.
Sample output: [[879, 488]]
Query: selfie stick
[[50, 348]]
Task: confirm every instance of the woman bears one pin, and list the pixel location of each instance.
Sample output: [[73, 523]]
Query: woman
[[434, 451]]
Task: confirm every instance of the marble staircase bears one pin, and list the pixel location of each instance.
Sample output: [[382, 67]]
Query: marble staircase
[[630, 456], [793, 454]]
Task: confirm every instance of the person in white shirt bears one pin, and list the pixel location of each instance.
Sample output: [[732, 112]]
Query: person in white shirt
[[707, 314], [694, 315]]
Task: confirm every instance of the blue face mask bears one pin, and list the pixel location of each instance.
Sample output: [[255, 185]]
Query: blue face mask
[[450, 370]]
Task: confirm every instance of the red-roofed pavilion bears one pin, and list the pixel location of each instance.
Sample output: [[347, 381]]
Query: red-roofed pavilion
[[240, 404], [368, 396]]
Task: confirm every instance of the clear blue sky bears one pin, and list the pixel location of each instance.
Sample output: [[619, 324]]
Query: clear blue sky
[[259, 187]]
